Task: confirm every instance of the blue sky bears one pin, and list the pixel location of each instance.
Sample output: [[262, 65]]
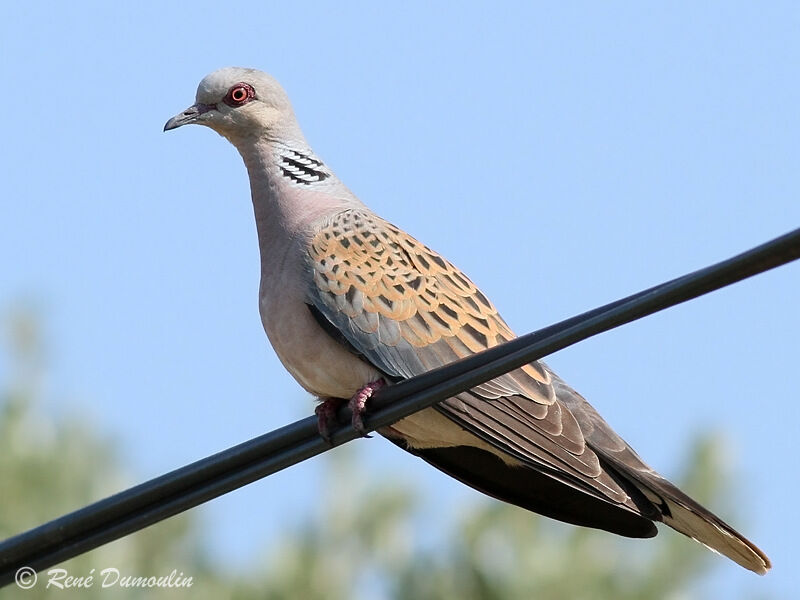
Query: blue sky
[[562, 155]]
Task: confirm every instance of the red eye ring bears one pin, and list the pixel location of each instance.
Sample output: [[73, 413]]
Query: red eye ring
[[239, 94]]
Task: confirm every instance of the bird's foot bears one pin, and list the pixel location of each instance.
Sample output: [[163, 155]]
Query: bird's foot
[[358, 405], [326, 416], [327, 409]]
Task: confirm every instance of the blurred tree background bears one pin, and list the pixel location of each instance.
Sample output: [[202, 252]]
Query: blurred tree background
[[364, 541]]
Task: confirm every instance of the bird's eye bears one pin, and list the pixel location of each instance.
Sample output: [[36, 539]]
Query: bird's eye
[[239, 94]]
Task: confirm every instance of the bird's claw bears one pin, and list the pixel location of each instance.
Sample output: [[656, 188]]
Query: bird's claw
[[326, 411], [358, 425]]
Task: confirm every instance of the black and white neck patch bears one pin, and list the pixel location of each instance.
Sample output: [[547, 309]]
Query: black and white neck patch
[[302, 168]]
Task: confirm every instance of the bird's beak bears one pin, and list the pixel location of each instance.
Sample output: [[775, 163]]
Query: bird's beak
[[190, 115]]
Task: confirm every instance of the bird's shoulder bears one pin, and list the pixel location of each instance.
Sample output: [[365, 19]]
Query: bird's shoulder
[[383, 282]]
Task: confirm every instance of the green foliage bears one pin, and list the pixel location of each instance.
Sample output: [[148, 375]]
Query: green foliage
[[52, 465]]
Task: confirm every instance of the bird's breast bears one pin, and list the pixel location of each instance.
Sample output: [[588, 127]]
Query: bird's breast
[[319, 363]]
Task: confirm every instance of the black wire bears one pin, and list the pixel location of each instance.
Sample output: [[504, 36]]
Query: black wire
[[189, 486]]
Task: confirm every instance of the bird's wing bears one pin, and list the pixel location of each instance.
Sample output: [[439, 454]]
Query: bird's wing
[[407, 310]]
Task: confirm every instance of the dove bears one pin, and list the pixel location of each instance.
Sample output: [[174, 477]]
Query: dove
[[351, 303]]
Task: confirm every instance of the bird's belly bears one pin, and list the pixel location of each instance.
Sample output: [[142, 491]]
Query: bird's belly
[[319, 363], [326, 369]]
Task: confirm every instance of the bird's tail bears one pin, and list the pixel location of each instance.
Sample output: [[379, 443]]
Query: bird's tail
[[687, 516]]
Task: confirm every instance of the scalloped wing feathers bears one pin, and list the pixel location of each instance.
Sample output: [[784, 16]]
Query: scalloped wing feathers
[[408, 310]]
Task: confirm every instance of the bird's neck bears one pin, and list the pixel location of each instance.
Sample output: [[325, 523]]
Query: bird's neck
[[292, 190]]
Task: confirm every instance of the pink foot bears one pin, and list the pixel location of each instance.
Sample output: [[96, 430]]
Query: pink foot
[[326, 416], [358, 404], [326, 411]]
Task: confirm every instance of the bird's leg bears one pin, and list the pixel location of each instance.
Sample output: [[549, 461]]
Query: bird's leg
[[358, 404], [326, 416]]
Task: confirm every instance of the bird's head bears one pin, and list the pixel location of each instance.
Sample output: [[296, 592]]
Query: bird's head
[[238, 104]]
